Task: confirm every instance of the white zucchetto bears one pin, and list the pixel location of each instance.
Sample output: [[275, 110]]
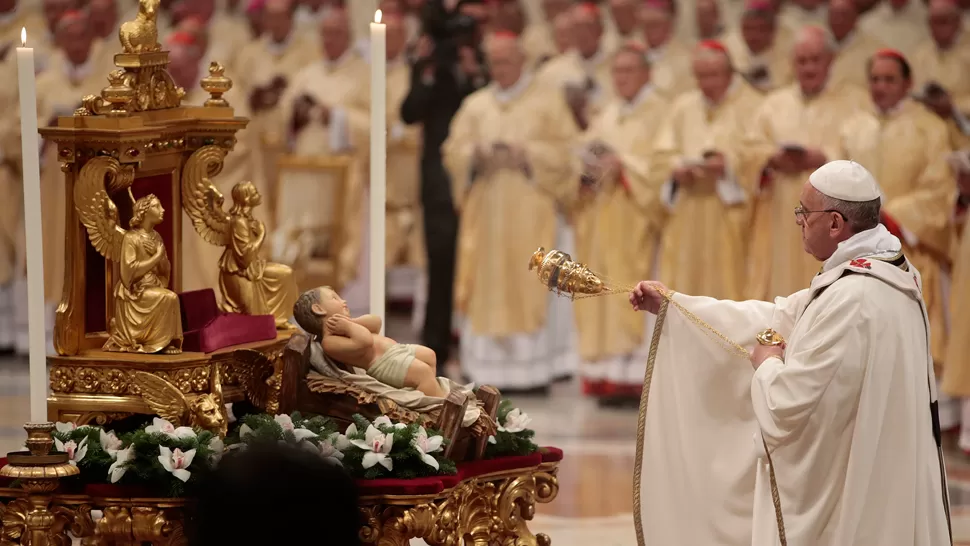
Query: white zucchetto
[[845, 180]]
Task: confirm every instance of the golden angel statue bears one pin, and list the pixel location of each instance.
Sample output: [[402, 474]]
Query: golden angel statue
[[249, 284], [146, 317]]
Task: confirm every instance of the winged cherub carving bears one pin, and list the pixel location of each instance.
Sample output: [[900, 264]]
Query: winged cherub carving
[[206, 411], [249, 284], [146, 316]]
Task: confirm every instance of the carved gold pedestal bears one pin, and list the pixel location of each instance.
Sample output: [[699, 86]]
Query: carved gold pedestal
[[99, 387], [481, 511]]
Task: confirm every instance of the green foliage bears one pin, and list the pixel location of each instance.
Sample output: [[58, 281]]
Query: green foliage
[[406, 459], [508, 443]]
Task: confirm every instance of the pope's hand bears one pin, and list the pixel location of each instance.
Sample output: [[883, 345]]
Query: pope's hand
[[647, 295], [764, 352]]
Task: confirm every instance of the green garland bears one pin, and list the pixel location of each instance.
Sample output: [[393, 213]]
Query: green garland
[[512, 438], [406, 459]]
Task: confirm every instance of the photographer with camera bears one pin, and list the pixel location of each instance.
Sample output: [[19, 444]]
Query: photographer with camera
[[448, 66]]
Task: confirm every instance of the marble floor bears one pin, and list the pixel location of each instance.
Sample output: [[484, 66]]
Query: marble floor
[[595, 497]]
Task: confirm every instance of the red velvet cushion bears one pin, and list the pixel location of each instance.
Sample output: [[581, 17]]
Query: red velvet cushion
[[4, 482], [206, 329], [472, 469], [550, 454], [389, 486]]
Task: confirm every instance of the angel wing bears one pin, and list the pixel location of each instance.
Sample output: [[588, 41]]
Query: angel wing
[[95, 209], [257, 368], [200, 198], [162, 397]]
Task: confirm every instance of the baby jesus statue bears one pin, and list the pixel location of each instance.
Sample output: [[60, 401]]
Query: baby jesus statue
[[358, 343]]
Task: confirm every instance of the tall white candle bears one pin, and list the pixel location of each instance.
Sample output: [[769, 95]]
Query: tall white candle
[[33, 229], [378, 162]]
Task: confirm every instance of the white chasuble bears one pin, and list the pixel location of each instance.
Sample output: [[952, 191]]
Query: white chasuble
[[846, 417]]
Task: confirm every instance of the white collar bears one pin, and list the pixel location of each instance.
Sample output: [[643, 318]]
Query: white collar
[[638, 99], [654, 54], [727, 94], [78, 72], [593, 62], [875, 242], [279, 48], [845, 41], [897, 108], [512, 92], [339, 61]]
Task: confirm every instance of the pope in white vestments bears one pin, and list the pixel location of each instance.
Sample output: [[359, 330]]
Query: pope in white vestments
[[845, 407]]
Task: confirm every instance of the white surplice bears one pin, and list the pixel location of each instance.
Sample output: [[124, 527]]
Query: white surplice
[[847, 415]]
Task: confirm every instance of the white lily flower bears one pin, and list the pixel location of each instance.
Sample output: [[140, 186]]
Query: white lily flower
[[109, 441], [120, 464], [425, 446], [299, 433], [218, 448], [161, 426], [492, 440], [385, 421], [230, 416], [65, 428], [331, 449], [515, 421], [351, 430], [245, 430], [75, 452], [176, 461], [377, 446]]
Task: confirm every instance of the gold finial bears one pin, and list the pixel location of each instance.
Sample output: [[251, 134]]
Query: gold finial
[[118, 94], [216, 84]]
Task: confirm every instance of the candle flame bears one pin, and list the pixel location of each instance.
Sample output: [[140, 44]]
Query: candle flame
[[377, 16], [23, 36]]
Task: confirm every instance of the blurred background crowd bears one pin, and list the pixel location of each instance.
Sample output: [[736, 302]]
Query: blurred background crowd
[[650, 138]]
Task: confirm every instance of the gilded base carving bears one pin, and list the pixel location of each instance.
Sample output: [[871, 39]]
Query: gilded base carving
[[478, 512]]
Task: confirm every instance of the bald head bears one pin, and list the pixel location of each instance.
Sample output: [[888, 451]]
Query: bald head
[[707, 16], [945, 22], [505, 59], [335, 33], [624, 14], [812, 58], [712, 70], [842, 15], [562, 32], [397, 35], [657, 23], [588, 29]]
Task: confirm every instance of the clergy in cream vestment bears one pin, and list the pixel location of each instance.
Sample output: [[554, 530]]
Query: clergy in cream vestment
[[853, 46], [618, 224], [899, 23], [694, 160], [956, 374], [846, 407], [625, 27], [587, 65], [944, 60], [759, 51], [793, 132], [669, 56], [508, 154], [339, 123], [906, 147]]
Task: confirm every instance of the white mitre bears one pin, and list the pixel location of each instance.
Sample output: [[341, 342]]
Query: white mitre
[[845, 180]]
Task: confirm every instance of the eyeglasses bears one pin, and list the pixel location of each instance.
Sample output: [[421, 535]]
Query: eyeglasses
[[801, 212]]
